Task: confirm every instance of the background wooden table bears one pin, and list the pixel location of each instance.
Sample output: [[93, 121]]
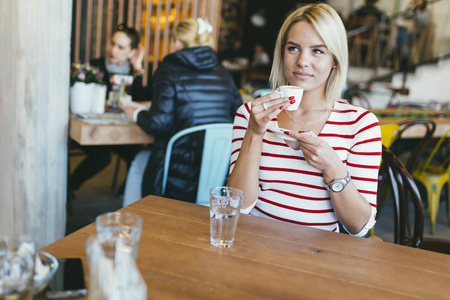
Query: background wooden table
[[269, 260], [442, 125], [107, 134], [395, 116]]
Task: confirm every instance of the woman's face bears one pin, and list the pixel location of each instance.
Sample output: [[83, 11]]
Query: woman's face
[[307, 61], [120, 49]]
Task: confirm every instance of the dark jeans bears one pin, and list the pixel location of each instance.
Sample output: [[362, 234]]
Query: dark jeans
[[98, 158]]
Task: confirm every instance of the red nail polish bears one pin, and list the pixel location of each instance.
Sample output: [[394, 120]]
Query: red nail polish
[[301, 131], [292, 101], [291, 98], [281, 107], [286, 132]]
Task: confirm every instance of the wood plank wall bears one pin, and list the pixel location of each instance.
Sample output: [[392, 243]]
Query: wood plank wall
[[95, 21]]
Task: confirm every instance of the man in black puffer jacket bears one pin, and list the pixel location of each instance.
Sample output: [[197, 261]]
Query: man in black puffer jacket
[[189, 88]]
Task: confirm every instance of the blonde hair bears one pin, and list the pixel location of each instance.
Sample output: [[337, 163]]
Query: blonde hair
[[330, 28], [187, 33]]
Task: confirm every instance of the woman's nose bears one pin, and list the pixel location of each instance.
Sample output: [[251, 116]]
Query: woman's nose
[[113, 49], [304, 60]]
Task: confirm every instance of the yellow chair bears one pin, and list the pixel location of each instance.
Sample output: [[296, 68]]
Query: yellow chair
[[434, 177], [389, 133]]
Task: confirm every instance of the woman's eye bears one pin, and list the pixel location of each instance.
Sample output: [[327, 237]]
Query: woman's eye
[[292, 49], [318, 51]]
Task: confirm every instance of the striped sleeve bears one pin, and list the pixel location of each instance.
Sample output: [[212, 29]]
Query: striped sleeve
[[363, 152], [239, 129]]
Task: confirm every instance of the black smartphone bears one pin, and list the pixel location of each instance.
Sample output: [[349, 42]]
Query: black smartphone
[[68, 281]]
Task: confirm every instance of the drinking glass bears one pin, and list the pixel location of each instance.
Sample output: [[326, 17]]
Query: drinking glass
[[119, 229], [225, 205]]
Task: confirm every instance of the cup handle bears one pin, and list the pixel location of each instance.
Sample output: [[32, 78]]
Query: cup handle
[[280, 93]]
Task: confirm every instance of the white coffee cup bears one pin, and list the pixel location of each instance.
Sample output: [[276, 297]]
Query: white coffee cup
[[292, 90]]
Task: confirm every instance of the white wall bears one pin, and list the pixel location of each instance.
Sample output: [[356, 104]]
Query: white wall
[[34, 93]]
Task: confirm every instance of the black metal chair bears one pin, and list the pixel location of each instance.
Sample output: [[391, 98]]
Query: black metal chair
[[408, 153], [404, 192], [415, 151]]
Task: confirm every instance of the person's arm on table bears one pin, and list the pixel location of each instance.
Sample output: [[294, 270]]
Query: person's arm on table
[[132, 112], [159, 119]]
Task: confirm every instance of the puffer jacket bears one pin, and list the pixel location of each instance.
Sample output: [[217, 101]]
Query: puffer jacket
[[189, 88]]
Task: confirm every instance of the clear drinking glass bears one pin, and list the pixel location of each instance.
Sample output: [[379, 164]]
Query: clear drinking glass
[[116, 227], [225, 205]]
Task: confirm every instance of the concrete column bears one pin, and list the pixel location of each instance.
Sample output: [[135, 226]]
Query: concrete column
[[34, 93]]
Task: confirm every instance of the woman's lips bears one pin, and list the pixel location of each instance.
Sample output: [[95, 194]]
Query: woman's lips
[[302, 75]]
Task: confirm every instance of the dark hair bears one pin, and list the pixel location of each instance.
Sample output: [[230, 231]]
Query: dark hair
[[131, 33]]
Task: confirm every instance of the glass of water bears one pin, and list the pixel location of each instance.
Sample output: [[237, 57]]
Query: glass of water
[[225, 204], [119, 232]]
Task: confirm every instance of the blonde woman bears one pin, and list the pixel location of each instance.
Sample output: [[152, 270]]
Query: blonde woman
[[189, 88], [328, 173]]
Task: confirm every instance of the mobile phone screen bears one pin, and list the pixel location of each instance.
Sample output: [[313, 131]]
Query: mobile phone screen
[[68, 280]]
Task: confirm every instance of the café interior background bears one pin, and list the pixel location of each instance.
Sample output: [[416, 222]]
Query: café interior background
[[34, 140], [238, 22]]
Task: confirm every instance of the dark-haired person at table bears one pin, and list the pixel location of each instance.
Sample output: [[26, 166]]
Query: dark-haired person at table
[[124, 56], [190, 88], [330, 174]]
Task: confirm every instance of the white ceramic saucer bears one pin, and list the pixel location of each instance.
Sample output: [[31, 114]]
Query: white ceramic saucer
[[280, 133]]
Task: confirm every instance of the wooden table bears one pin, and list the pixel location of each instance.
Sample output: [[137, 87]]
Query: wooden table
[[107, 134], [269, 260]]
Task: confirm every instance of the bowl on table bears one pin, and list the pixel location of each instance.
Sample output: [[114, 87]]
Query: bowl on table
[[43, 274]]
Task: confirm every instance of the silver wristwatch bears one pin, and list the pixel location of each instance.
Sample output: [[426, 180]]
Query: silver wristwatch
[[338, 185]]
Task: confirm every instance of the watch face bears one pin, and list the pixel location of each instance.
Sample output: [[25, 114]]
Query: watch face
[[337, 186]]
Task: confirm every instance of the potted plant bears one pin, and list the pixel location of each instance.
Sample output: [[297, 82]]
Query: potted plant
[[87, 92]]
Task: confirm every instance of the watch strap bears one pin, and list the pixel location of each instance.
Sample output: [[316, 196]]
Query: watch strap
[[344, 181]]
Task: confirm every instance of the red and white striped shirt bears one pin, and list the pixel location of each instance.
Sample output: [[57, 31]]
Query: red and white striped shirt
[[293, 191]]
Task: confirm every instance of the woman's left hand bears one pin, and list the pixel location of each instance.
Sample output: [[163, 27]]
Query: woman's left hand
[[317, 152]]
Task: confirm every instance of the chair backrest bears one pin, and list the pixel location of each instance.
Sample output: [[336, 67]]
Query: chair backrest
[[261, 92], [215, 161], [404, 190], [414, 156]]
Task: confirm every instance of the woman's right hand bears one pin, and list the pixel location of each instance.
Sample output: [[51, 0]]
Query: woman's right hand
[[264, 109]]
